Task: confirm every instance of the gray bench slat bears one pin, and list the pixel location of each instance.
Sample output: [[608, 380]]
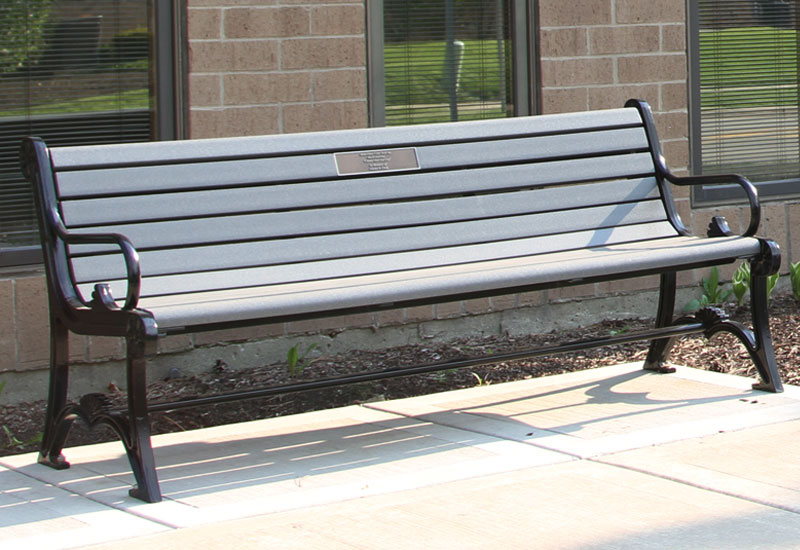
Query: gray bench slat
[[402, 261], [315, 166], [159, 262], [435, 283], [377, 216], [345, 191], [209, 149]]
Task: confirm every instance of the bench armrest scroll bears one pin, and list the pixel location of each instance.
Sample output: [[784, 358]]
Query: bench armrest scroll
[[726, 179], [102, 295]]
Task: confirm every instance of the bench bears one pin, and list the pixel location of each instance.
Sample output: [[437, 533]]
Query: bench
[[147, 240]]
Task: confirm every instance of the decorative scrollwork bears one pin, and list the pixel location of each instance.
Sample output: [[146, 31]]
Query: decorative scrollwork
[[711, 316]]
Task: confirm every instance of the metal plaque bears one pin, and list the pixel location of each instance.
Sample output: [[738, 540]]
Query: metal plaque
[[382, 160]]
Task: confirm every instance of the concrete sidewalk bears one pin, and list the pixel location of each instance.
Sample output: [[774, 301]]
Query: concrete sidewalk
[[607, 458]]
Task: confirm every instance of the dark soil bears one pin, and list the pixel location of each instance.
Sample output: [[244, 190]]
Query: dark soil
[[21, 424]]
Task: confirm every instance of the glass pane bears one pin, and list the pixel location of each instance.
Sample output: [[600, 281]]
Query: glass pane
[[748, 88], [72, 72], [447, 60]]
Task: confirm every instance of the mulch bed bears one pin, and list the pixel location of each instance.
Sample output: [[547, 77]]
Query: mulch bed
[[23, 422]]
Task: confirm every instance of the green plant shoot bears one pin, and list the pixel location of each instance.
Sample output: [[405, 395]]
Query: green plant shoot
[[741, 282], [298, 361], [713, 293], [794, 275]]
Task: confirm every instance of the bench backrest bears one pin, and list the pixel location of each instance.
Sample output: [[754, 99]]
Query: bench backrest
[[308, 206]]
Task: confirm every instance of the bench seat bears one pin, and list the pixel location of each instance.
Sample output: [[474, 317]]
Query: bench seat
[[399, 280]]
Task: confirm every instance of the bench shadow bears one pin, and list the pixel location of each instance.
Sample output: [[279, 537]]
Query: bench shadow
[[352, 453], [397, 446]]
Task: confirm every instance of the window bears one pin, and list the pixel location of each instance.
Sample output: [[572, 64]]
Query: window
[[744, 103], [79, 72], [447, 60]]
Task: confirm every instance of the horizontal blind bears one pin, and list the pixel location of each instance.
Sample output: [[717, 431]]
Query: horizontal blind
[[71, 72], [447, 60], [748, 88]]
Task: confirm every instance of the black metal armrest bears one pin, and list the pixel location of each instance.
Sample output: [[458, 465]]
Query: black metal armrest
[[102, 295], [721, 179]]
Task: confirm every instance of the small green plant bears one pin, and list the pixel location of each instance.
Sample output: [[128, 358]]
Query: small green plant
[[794, 275], [296, 360], [481, 381], [13, 440], [713, 293], [741, 282]]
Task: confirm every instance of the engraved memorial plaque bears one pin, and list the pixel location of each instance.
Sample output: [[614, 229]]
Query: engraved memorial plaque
[[382, 160]]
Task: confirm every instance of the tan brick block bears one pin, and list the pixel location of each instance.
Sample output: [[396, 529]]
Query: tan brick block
[[637, 11], [626, 39], [674, 97], [323, 53], [231, 3], [564, 42], [205, 90], [672, 125], [214, 337], [32, 320], [269, 22], [477, 306], [338, 20], [340, 84], [557, 13], [8, 348], [324, 116], [651, 68], [449, 310], [264, 88], [390, 318], [634, 284], [677, 154], [613, 97], [564, 100], [501, 303], [419, 314], [577, 72], [78, 347], [238, 121], [572, 292], [105, 347], [775, 225], [248, 55], [176, 343], [329, 324], [535, 298], [204, 24], [673, 38]]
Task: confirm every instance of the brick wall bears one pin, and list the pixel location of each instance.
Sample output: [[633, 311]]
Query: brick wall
[[276, 66]]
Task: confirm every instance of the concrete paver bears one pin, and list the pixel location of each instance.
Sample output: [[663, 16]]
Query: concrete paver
[[609, 458]]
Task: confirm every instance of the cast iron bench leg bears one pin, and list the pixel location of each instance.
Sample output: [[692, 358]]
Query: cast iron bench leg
[[57, 420], [659, 349], [141, 343]]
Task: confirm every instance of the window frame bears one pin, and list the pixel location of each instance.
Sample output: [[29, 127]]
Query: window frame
[[719, 195], [524, 24], [168, 76]]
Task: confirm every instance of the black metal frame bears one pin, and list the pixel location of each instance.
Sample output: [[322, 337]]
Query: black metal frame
[[102, 316]]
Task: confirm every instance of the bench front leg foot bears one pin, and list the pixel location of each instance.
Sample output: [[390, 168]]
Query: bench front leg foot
[[660, 348], [141, 343], [58, 417]]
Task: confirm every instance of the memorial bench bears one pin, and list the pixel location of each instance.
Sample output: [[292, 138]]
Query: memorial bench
[[147, 240]]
